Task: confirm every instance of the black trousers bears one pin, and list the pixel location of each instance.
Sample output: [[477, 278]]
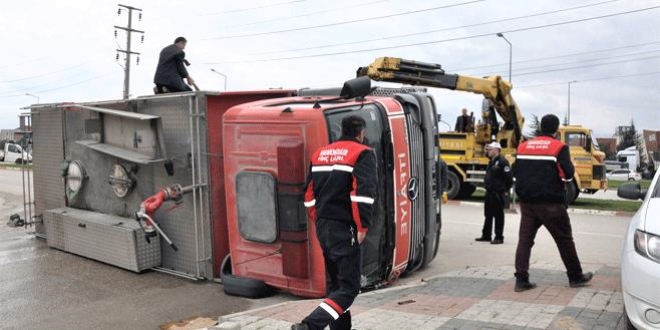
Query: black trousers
[[555, 219], [341, 253], [181, 87], [493, 209]]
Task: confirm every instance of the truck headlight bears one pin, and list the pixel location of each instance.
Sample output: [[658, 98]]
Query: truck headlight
[[648, 245]]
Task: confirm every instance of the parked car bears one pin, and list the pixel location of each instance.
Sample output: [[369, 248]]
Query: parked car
[[640, 260], [624, 175]]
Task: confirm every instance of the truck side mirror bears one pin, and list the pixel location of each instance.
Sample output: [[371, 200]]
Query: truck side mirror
[[356, 87], [631, 191]]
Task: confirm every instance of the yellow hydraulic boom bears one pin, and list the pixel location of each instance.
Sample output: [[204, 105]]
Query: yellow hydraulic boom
[[495, 89]]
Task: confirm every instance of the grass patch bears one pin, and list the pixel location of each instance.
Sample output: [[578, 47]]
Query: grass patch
[[13, 166], [616, 184], [580, 203], [606, 205]]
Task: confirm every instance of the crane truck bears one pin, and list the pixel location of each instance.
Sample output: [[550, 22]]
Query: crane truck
[[464, 152], [233, 166]]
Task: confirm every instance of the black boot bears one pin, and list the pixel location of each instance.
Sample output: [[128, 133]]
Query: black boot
[[299, 326], [523, 284], [482, 239], [581, 280]]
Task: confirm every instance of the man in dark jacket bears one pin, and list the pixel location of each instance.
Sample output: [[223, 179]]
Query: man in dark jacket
[[542, 166], [498, 181], [340, 192], [463, 122], [171, 69]]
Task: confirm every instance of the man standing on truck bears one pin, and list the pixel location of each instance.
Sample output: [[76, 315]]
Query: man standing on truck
[[462, 122], [171, 69], [542, 166], [340, 192], [498, 181]]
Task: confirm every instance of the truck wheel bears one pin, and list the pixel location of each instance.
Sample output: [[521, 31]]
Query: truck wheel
[[453, 184], [19, 161], [467, 189], [241, 286], [572, 192]]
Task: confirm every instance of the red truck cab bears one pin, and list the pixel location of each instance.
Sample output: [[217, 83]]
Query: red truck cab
[[267, 146]]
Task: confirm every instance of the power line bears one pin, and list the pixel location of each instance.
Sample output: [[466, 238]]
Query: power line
[[59, 87], [346, 22], [129, 32], [588, 66], [441, 41], [558, 56], [588, 80], [24, 62], [45, 74], [256, 8], [434, 31], [310, 14]]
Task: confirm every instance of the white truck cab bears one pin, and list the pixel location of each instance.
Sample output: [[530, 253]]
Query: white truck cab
[[13, 153]]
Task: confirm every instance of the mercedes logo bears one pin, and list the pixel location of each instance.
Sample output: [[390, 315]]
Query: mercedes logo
[[413, 189]]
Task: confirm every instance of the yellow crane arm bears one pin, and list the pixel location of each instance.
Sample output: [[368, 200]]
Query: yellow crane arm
[[493, 88]]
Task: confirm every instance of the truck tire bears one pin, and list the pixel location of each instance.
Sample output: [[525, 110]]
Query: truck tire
[[240, 286], [467, 189], [453, 184]]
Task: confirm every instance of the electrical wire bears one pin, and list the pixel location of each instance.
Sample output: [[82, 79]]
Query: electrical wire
[[575, 67], [256, 8], [555, 57], [434, 31], [343, 8], [589, 80], [345, 22], [45, 74], [529, 28], [59, 87]]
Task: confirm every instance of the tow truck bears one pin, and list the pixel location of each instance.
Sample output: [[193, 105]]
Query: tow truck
[[464, 152]]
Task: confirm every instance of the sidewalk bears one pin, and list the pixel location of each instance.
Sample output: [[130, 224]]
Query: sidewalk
[[470, 299]]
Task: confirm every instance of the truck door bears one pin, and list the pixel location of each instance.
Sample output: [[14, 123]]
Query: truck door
[[377, 247]]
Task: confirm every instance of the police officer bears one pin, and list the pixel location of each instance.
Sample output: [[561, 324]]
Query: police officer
[[340, 192], [498, 181]]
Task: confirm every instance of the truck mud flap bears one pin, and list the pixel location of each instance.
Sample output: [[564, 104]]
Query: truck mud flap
[[241, 286]]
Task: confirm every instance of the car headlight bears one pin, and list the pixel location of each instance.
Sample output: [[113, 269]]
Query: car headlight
[[648, 245]]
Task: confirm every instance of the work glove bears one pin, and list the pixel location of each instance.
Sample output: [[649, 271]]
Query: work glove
[[444, 198]]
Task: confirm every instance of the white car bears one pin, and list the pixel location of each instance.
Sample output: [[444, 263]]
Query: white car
[[623, 175], [640, 261]]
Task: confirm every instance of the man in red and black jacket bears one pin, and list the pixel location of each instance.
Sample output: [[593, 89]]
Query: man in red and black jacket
[[543, 166], [340, 192]]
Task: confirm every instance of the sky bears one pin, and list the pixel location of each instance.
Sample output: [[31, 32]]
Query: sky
[[609, 50]]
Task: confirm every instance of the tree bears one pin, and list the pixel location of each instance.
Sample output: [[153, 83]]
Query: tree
[[629, 138], [535, 126], [609, 153]]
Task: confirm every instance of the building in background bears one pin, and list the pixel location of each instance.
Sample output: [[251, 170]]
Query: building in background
[[651, 146]]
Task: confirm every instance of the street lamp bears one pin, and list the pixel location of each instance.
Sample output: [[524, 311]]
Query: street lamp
[[568, 117], [37, 97], [510, 52], [223, 75]]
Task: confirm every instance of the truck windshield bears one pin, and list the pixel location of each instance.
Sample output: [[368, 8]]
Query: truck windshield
[[594, 142], [369, 113]]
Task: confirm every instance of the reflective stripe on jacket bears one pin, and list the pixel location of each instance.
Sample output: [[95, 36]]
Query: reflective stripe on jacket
[[542, 165], [341, 184]]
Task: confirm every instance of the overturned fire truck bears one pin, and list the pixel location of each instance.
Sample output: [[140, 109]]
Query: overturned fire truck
[[209, 185]]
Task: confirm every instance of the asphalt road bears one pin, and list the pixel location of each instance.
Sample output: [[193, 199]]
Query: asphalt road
[[48, 288]]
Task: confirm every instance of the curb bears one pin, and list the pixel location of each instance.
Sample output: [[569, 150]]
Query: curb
[[570, 210]]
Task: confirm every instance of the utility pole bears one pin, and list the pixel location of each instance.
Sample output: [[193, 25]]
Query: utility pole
[[129, 31]]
